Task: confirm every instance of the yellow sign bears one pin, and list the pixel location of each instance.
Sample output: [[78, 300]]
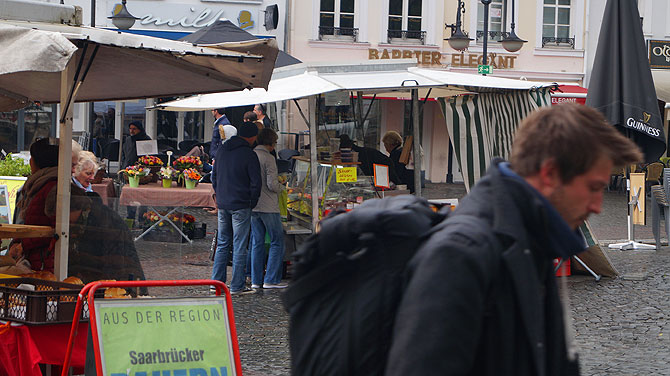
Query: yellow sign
[[346, 175], [13, 184], [637, 189]]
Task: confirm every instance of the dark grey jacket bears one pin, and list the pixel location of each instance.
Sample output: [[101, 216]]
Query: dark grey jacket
[[482, 305]]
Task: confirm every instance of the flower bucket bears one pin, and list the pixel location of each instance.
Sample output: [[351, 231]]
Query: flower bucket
[[134, 181], [190, 184], [167, 183]]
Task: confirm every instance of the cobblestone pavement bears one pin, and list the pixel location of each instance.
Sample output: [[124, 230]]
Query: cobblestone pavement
[[621, 324]]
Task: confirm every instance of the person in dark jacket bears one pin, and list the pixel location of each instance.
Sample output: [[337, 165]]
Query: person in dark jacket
[[129, 150], [497, 309], [262, 116], [393, 145], [220, 119], [369, 156], [237, 186]]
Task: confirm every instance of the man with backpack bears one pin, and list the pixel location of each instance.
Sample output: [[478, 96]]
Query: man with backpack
[[481, 295]]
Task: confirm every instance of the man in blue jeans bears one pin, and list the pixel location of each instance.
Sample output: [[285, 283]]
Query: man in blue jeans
[[237, 186]]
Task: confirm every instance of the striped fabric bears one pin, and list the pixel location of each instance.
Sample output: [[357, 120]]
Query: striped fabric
[[482, 126]]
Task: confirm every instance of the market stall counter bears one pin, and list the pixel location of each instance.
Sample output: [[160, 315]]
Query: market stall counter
[[155, 195], [105, 189]]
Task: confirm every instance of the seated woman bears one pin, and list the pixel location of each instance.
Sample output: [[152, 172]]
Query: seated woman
[[42, 180], [84, 172]]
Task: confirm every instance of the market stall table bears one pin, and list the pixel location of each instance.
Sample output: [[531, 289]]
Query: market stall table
[[8, 231], [24, 347], [105, 189], [153, 194]]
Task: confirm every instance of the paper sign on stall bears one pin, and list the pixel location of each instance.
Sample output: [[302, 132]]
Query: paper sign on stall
[[381, 175], [189, 336], [346, 175], [147, 147]]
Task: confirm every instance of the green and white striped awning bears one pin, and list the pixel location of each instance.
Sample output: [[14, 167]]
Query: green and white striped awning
[[482, 126]]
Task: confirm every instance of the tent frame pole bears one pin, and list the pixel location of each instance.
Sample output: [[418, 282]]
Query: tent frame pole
[[417, 143], [314, 163], [64, 169]]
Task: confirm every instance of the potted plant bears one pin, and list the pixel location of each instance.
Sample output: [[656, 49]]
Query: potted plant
[[183, 163], [152, 163], [191, 177], [134, 173], [166, 174]]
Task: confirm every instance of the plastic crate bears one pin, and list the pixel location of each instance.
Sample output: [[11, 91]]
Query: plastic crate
[[50, 303]]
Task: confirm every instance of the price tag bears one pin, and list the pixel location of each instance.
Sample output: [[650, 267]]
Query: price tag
[[346, 175]]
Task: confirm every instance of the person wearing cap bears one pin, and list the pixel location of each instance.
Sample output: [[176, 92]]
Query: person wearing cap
[[129, 151], [237, 185]]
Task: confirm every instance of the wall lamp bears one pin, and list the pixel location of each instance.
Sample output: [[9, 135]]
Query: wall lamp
[[121, 18], [459, 41]]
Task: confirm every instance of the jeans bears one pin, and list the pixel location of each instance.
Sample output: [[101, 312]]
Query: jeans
[[234, 227], [260, 223]]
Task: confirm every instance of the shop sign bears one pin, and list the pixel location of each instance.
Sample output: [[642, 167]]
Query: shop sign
[[474, 60], [659, 54], [422, 56], [346, 175], [191, 16], [185, 336], [12, 184]]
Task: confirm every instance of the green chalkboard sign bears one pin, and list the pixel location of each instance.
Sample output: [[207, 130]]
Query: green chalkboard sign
[[162, 336]]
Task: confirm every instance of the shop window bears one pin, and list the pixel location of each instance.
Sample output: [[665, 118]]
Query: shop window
[[556, 24], [408, 122], [339, 119], [404, 22], [336, 20], [497, 20], [18, 129]]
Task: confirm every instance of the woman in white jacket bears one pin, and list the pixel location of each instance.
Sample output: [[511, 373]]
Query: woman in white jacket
[[265, 218]]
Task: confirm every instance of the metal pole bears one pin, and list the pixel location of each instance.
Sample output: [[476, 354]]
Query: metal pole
[[93, 13], [313, 162], [486, 30], [417, 144]]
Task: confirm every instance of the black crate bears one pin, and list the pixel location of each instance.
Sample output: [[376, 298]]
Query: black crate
[[50, 303]]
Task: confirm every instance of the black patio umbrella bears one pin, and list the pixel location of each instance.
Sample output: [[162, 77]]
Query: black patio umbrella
[[226, 31], [621, 85]]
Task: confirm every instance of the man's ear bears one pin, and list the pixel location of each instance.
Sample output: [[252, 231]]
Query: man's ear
[[549, 177]]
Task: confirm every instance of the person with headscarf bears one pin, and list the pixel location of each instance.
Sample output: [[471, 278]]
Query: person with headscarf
[[129, 151]]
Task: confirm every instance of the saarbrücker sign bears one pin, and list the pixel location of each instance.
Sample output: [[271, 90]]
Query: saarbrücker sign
[[659, 54]]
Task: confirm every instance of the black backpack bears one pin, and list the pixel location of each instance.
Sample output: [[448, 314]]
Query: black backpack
[[348, 282]]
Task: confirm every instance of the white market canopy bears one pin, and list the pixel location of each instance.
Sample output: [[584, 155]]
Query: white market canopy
[[56, 63], [388, 79], [122, 65]]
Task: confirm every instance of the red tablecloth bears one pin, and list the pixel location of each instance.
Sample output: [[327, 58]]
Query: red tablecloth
[[105, 190], [153, 194], [23, 347]]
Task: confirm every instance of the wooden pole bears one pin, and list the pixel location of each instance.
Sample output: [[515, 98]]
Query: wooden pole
[[64, 170]]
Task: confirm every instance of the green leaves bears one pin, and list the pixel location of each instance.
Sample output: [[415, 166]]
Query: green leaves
[[14, 167]]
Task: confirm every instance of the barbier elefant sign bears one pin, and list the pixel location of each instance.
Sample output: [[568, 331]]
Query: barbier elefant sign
[[659, 54]]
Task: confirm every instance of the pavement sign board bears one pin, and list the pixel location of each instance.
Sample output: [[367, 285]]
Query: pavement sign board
[[163, 336]]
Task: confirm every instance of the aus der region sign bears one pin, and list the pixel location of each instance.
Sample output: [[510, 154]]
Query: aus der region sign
[[165, 337]]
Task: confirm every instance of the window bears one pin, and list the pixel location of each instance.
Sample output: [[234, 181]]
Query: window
[[556, 23], [405, 22], [336, 20], [497, 20]]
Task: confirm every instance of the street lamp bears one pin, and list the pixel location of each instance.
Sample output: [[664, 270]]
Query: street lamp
[[511, 42], [459, 41], [121, 18]]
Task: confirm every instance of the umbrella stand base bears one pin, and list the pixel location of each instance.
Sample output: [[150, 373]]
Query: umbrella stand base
[[632, 245]]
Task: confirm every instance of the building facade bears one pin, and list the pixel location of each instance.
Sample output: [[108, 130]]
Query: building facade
[[374, 30]]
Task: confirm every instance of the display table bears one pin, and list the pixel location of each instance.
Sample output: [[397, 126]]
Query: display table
[[24, 347], [8, 231], [153, 194], [105, 190]]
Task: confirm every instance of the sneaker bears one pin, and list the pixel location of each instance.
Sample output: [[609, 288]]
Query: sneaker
[[255, 286], [244, 291], [275, 286]]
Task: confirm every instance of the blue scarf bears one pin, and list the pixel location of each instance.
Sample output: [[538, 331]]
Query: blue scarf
[[564, 241]]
